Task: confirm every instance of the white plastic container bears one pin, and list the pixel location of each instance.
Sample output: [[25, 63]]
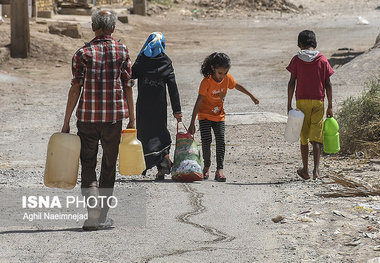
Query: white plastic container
[[62, 161], [294, 125]]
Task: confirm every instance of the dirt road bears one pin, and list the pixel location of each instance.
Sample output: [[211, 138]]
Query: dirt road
[[205, 221]]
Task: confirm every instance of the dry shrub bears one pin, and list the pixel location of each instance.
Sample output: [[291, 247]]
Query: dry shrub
[[359, 122]]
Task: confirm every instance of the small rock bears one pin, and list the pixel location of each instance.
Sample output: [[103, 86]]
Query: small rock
[[123, 19], [305, 219], [67, 29], [338, 213], [278, 218], [353, 243], [45, 14]]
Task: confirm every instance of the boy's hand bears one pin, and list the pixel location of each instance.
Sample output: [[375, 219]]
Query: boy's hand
[[329, 112], [191, 128]]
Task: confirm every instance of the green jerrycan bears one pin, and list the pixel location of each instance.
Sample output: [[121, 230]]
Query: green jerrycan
[[331, 136]]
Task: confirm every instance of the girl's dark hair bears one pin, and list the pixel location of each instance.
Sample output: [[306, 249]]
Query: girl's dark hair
[[307, 39], [217, 60]]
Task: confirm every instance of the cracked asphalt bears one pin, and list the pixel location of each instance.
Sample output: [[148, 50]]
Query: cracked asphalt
[[203, 221]]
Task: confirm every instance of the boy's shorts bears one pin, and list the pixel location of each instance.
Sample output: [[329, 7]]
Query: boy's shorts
[[312, 128]]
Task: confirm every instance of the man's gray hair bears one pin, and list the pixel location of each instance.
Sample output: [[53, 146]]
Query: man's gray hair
[[103, 19]]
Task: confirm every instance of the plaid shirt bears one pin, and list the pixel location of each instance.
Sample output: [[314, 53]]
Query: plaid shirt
[[104, 68]]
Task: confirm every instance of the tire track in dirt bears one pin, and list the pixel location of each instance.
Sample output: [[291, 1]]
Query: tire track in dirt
[[198, 208], [179, 252]]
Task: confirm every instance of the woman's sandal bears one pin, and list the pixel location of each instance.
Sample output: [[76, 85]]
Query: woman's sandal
[[160, 176], [166, 165]]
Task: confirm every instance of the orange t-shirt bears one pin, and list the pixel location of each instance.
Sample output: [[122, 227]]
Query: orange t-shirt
[[214, 93]]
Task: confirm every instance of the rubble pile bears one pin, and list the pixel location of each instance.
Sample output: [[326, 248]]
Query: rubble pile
[[252, 5]]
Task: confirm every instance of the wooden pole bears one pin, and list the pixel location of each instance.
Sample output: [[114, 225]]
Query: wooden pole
[[20, 35], [139, 7]]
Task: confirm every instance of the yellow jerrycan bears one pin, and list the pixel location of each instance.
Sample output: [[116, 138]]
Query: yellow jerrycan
[[131, 156], [62, 161]]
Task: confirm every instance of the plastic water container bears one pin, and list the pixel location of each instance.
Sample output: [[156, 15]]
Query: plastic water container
[[62, 161], [131, 156], [331, 136], [294, 125]]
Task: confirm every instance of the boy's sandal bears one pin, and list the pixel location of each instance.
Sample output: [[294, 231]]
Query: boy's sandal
[[220, 177]]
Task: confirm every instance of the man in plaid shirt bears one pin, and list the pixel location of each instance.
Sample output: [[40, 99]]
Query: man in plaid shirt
[[101, 72]]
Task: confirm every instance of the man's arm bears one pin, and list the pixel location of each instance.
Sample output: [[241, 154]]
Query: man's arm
[[131, 107], [291, 88], [72, 101]]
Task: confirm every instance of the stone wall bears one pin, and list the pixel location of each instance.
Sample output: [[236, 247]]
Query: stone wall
[[44, 5], [107, 2], [49, 5]]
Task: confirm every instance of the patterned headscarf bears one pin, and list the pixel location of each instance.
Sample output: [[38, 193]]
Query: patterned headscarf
[[154, 45]]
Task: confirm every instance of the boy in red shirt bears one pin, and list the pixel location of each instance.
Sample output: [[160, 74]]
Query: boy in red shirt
[[310, 78]]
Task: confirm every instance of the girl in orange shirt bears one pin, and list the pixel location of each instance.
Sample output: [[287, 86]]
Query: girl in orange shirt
[[210, 111]]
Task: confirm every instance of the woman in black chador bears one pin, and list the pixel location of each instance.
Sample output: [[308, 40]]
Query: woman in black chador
[[154, 71]]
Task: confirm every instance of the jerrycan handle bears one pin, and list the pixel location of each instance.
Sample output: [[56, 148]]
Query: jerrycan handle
[[132, 132], [129, 130], [187, 135]]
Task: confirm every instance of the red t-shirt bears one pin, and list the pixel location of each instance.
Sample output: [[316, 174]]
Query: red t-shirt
[[311, 77]]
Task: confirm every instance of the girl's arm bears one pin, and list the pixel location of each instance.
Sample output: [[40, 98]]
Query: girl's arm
[[195, 112], [242, 89], [329, 111], [291, 88]]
